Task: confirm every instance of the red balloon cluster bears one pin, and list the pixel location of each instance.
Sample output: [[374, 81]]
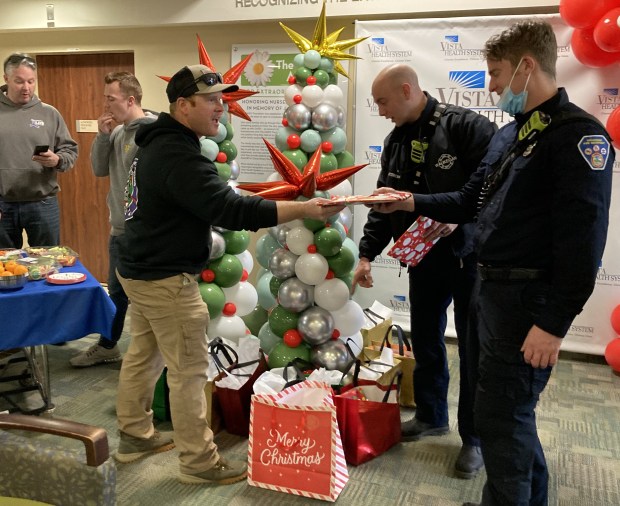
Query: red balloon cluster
[[612, 350], [596, 40]]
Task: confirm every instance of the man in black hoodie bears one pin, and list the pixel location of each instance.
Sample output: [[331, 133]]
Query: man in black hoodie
[[174, 196]]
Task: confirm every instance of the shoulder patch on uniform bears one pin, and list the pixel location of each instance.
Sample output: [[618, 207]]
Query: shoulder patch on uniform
[[595, 150]]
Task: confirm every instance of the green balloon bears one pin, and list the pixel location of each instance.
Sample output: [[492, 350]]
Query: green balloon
[[328, 241], [214, 298], [230, 131], [301, 74], [237, 241], [228, 270], [322, 77], [265, 246], [348, 279], [297, 156], [333, 78], [342, 263], [281, 355], [345, 159], [281, 320], [274, 285], [223, 170], [268, 340], [328, 162], [313, 224], [230, 149], [255, 319]]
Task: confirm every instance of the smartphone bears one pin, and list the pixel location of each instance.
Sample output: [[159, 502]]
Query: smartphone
[[40, 149]]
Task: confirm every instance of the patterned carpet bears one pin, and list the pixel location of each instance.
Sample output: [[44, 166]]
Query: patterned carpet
[[578, 417]]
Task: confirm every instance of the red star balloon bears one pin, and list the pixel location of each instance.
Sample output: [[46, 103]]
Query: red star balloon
[[295, 183], [229, 77]]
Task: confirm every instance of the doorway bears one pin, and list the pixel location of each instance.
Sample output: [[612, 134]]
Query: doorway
[[73, 84]]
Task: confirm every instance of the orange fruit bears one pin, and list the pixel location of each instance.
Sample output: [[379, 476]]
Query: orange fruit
[[6, 273], [10, 265], [20, 269]]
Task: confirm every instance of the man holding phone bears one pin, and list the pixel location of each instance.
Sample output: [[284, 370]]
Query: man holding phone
[[35, 145]]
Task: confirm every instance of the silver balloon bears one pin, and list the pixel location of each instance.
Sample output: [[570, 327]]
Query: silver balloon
[[221, 230], [279, 233], [218, 245], [234, 169], [295, 295], [298, 116], [342, 117], [282, 263], [316, 325], [333, 355], [324, 117], [233, 184]]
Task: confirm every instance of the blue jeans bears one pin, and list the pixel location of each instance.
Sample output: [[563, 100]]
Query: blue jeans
[[507, 393], [40, 219], [118, 296], [438, 279]]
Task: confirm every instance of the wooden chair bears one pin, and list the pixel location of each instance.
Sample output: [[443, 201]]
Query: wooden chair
[[34, 468]]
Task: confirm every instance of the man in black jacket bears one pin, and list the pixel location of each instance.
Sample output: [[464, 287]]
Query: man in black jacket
[[174, 196], [433, 148]]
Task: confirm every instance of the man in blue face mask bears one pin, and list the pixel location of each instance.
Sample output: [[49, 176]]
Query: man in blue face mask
[[541, 201]]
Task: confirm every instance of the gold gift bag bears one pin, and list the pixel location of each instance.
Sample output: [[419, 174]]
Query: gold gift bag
[[377, 331]]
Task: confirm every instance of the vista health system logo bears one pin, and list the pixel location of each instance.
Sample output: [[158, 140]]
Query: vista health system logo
[[372, 155], [378, 50], [451, 46], [399, 303], [609, 99]]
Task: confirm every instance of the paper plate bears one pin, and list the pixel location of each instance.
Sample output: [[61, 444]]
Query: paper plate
[[66, 278]]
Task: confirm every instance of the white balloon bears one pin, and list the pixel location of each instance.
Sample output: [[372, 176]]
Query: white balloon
[[355, 342], [332, 95], [331, 294], [298, 239], [349, 319], [228, 327], [209, 148], [343, 188], [294, 223], [312, 95], [346, 217], [221, 133], [311, 268], [290, 92], [247, 260], [243, 295]]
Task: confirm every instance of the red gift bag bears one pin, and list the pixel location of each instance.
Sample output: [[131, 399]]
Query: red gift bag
[[295, 445], [369, 418]]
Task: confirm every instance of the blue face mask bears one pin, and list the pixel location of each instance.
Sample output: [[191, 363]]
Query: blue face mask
[[511, 103]]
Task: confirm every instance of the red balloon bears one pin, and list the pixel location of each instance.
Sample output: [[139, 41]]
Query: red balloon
[[284, 122], [207, 276], [221, 157], [615, 314], [297, 99], [585, 13], [613, 128], [293, 141], [291, 79], [292, 338], [607, 31], [311, 80], [327, 146], [587, 52], [229, 309], [612, 354]]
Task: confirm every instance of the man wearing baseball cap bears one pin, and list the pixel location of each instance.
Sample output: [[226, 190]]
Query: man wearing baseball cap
[[173, 197]]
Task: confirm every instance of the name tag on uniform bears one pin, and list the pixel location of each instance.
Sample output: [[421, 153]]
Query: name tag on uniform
[[595, 151]]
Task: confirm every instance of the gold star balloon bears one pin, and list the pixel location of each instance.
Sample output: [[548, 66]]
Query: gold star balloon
[[229, 77], [327, 45], [295, 183]]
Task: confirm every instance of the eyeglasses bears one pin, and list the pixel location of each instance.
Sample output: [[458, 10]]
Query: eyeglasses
[[210, 79], [17, 59]]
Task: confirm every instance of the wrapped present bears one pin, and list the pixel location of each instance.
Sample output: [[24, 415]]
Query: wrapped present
[[410, 248]]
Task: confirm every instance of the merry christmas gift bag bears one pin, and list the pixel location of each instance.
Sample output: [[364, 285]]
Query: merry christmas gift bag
[[295, 444]]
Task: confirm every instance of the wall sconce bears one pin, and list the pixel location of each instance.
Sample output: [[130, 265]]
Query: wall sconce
[[50, 15]]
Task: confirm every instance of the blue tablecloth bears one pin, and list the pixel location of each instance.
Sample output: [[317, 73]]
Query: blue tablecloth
[[42, 313]]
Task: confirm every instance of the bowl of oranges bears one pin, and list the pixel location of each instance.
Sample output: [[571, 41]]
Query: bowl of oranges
[[13, 276]]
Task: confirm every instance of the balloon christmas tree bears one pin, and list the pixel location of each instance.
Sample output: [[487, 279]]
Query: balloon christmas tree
[[307, 265]]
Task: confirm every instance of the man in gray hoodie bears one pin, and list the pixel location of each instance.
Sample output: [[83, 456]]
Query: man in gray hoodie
[[111, 154], [35, 145]]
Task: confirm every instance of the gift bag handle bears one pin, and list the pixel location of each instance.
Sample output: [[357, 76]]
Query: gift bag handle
[[215, 347], [231, 370], [403, 342], [296, 364], [369, 312]]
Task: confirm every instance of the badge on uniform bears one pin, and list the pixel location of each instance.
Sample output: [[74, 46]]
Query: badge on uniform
[[595, 151]]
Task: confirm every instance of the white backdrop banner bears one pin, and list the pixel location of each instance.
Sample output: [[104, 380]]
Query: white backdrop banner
[[447, 55]]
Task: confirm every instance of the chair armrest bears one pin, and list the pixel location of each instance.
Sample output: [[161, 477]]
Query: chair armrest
[[95, 439]]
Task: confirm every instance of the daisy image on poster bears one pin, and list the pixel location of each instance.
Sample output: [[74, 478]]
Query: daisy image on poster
[[259, 69]]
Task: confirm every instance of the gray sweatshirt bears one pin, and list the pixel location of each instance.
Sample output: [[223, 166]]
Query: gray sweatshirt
[[111, 155], [22, 127]]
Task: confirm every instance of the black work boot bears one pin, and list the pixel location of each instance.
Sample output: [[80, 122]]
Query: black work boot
[[469, 462]]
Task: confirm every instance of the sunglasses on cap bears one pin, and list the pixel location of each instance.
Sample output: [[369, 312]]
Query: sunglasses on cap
[[17, 59], [210, 79]]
